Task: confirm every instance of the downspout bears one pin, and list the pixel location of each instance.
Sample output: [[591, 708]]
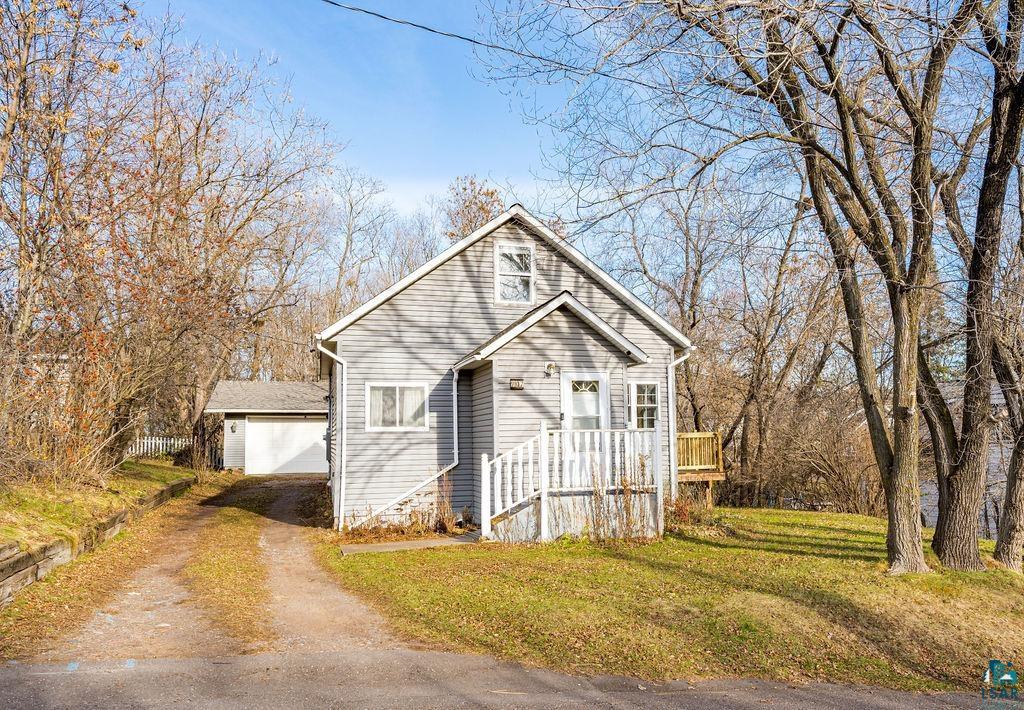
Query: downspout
[[338, 482], [672, 443]]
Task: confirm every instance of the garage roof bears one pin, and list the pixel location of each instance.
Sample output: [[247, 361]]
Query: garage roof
[[246, 397]]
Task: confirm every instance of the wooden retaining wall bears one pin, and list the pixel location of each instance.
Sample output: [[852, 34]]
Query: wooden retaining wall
[[19, 568]]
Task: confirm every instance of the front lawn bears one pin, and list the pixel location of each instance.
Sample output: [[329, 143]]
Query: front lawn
[[764, 593], [39, 511]]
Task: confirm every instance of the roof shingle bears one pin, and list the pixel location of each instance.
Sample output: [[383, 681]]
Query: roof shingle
[[238, 396]]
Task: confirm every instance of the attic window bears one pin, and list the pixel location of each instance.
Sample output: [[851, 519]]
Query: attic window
[[514, 273]]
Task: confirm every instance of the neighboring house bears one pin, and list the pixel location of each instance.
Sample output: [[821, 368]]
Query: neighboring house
[[514, 364], [272, 427]]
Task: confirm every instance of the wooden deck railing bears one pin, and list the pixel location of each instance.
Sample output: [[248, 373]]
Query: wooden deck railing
[[699, 455]]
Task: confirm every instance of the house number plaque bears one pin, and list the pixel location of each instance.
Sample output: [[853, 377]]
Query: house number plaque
[[516, 383]]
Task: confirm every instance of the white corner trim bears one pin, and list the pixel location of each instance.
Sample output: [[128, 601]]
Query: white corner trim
[[671, 414], [569, 301], [561, 246], [425, 386]]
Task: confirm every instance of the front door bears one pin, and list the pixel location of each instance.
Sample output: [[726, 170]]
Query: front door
[[586, 408], [585, 401]]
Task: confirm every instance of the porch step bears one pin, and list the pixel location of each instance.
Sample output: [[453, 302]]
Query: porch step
[[358, 548]]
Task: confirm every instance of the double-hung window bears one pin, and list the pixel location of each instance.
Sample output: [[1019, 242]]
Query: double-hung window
[[645, 404], [397, 406], [514, 273]]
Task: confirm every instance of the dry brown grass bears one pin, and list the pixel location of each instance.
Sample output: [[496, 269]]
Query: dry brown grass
[[60, 604], [38, 510], [316, 512], [227, 573]]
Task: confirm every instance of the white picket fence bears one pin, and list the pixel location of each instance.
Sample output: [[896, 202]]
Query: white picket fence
[[152, 446], [560, 461]]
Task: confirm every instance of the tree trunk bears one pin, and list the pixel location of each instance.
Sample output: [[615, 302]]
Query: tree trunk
[[745, 486], [942, 434], [903, 491], [957, 542], [1010, 541]]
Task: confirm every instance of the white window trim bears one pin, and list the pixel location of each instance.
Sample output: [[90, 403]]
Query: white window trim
[[604, 395], [632, 402], [392, 383], [498, 244]]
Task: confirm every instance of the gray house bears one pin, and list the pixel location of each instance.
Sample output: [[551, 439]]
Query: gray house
[[509, 374], [272, 427]]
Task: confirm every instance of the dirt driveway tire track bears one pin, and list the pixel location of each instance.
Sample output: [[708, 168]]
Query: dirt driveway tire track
[[311, 613]]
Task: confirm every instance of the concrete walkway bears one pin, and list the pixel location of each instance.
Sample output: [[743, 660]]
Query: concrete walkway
[[333, 651]]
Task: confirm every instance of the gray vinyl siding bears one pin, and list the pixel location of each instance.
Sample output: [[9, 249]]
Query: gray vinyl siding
[[234, 443], [462, 477], [483, 427], [571, 344], [332, 422], [420, 333]]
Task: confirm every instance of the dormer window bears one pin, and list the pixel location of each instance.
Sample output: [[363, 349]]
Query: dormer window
[[514, 273]]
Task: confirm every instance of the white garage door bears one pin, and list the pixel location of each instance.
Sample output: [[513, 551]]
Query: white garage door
[[285, 445]]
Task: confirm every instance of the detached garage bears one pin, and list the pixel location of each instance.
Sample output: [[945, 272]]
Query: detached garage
[[272, 428]]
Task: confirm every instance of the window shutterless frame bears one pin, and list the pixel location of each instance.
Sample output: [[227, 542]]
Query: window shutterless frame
[[634, 406], [397, 387], [501, 271]]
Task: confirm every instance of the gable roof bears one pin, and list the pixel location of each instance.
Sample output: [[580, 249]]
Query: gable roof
[[569, 251], [244, 396], [564, 299]]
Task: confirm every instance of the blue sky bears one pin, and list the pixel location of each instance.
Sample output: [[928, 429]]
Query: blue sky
[[411, 107]]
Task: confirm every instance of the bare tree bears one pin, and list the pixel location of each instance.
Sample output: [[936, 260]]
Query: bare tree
[[1008, 356], [853, 91], [154, 210]]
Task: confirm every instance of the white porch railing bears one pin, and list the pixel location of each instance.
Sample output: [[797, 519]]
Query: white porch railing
[[563, 461]]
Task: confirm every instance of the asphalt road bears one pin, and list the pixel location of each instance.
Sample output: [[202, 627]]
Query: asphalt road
[[403, 678]]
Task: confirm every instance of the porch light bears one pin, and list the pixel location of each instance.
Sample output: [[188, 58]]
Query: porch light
[[233, 427], [551, 368]]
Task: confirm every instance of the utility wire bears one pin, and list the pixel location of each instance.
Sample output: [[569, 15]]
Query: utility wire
[[568, 68], [551, 62]]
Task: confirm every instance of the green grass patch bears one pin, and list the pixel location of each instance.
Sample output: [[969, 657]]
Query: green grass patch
[[40, 511], [769, 594], [58, 605], [227, 573]]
